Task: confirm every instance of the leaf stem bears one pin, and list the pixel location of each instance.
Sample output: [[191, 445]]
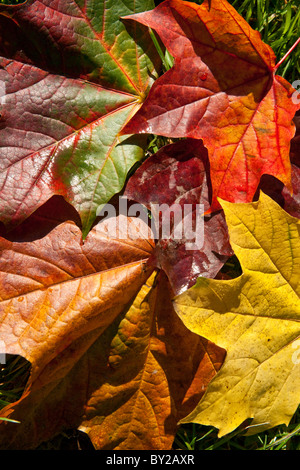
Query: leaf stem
[[287, 54]]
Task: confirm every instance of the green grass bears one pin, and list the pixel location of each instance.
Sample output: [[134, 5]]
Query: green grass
[[196, 437], [13, 377]]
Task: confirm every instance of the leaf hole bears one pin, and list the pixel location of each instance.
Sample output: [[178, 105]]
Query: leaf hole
[[14, 374]]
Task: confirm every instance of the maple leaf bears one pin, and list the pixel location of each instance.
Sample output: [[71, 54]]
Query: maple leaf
[[255, 317], [222, 89], [73, 75], [176, 178], [96, 322]]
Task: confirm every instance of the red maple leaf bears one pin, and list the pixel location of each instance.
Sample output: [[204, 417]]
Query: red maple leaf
[[222, 89]]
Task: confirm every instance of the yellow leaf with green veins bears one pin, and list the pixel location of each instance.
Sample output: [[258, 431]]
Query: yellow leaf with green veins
[[255, 317]]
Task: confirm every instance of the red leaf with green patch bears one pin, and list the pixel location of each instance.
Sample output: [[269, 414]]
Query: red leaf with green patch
[[81, 74]]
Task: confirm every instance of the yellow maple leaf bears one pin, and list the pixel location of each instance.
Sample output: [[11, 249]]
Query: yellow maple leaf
[[255, 317]]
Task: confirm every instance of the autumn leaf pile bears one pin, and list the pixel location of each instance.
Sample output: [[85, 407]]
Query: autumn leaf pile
[[129, 335]]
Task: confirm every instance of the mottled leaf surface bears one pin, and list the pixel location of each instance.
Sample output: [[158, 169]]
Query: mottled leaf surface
[[171, 184], [73, 76]]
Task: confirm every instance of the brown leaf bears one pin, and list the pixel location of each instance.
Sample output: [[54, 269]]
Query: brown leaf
[[97, 325]]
